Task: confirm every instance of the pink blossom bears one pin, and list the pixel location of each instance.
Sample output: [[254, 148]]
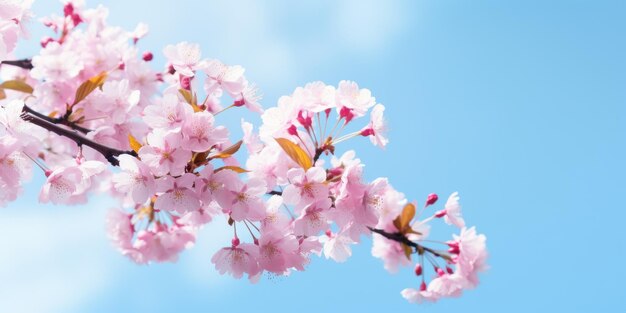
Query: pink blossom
[[390, 252], [453, 211], [313, 219], [274, 218], [117, 100], [242, 200], [337, 247], [56, 63], [165, 243], [237, 260], [377, 127], [357, 100], [305, 188], [224, 77], [200, 135], [169, 113], [163, 154], [184, 56], [135, 179], [472, 258], [60, 185], [178, 194], [249, 97], [277, 251]]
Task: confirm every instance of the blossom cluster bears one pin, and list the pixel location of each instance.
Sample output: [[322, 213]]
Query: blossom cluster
[[91, 99]]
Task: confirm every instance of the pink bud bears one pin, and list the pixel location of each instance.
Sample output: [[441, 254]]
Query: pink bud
[[147, 56], [432, 198], [440, 272], [239, 102], [76, 19], [121, 66], [454, 250], [48, 173], [256, 241], [367, 132], [327, 111], [440, 214], [449, 270], [235, 242], [306, 122], [418, 269], [423, 286], [171, 70], [329, 233], [68, 9], [292, 130], [346, 113]]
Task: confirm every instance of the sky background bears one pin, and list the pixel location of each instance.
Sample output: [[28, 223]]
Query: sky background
[[518, 105]]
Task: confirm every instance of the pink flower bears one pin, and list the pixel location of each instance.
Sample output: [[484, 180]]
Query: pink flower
[[472, 258], [163, 154], [453, 211], [242, 200], [56, 63], [357, 100], [117, 100], [250, 98], [274, 218], [169, 113], [377, 127], [184, 56], [337, 247], [224, 77], [313, 219], [14, 168], [277, 251], [199, 135], [135, 178], [164, 243], [390, 252], [237, 260], [60, 185], [305, 188], [179, 195]]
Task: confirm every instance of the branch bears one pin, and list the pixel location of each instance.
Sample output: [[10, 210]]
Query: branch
[[398, 237], [23, 63], [318, 153], [275, 192], [59, 120], [109, 153]]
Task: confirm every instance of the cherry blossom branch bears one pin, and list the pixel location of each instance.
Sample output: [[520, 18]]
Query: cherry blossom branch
[[23, 63], [59, 120], [275, 192], [318, 153], [109, 153], [398, 237]]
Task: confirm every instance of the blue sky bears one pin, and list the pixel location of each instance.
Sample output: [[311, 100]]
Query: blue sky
[[518, 105]]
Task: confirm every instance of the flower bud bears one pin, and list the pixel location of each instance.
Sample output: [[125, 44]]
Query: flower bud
[[147, 56], [432, 198], [418, 269], [235, 242], [423, 286], [440, 214]]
